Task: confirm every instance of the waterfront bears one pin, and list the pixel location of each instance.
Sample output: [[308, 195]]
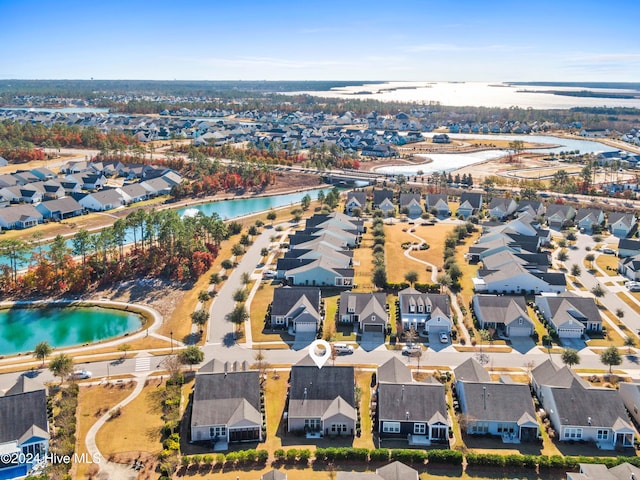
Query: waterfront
[[23, 328]]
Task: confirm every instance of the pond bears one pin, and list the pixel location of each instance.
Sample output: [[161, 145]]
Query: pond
[[23, 328]]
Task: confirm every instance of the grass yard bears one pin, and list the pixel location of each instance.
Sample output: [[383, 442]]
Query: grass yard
[[624, 296], [396, 262], [259, 304], [363, 261], [469, 271], [608, 264], [363, 382], [138, 428], [93, 402], [539, 327], [435, 236]]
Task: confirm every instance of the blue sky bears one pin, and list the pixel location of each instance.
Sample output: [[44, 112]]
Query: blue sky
[[492, 40]]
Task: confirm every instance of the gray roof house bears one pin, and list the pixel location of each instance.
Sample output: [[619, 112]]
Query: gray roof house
[[532, 207], [393, 371], [297, 308], [355, 200], [506, 314], [60, 209], [24, 431], [322, 400], [428, 312], [559, 215], [226, 407], [621, 224], [410, 203], [470, 204], [101, 201], [367, 310], [628, 247], [501, 207], [274, 475], [19, 216], [516, 278], [505, 410], [439, 203], [587, 218], [393, 471], [598, 471], [570, 314], [383, 200], [415, 411], [630, 267]]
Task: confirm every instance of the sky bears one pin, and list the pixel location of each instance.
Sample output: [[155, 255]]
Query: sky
[[412, 40]]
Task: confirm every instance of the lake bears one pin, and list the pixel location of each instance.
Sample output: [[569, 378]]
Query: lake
[[23, 328]]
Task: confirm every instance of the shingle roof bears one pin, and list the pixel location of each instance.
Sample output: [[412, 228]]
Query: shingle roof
[[19, 413], [500, 402], [313, 390], [397, 471], [501, 308], [411, 402], [471, 371], [285, 298], [394, 371]]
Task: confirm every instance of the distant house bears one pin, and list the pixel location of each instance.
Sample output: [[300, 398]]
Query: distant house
[[501, 208], [296, 308], [367, 310], [441, 138], [101, 201], [410, 204], [322, 272], [505, 314], [415, 411], [587, 218], [598, 471], [383, 200], [438, 203], [24, 430], [133, 193], [505, 410], [226, 407], [321, 400], [517, 278], [393, 471], [60, 209], [621, 224], [379, 151], [470, 204], [43, 173], [429, 312], [628, 247], [19, 217], [559, 215], [570, 315], [531, 207], [630, 267], [355, 200]]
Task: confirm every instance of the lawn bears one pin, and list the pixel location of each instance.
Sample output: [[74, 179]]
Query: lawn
[[138, 428], [93, 402], [469, 271], [363, 263], [396, 262], [624, 296], [608, 264], [259, 304], [539, 327], [435, 236], [363, 382]]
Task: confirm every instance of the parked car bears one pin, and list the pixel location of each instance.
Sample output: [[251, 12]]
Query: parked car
[[81, 374], [633, 286], [342, 348], [444, 337], [411, 349], [609, 251]]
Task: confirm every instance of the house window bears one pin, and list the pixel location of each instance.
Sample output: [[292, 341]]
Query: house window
[[391, 427], [312, 424], [420, 308], [373, 318], [520, 321], [338, 282], [279, 321], [428, 308], [506, 428], [480, 427], [218, 432], [419, 428], [573, 433], [337, 428], [351, 309], [603, 434], [412, 308]]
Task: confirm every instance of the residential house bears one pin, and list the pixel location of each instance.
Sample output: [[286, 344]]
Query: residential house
[[366, 310], [439, 204], [53, 190], [531, 207], [621, 224], [470, 204], [393, 371], [569, 314], [336, 220], [296, 308], [24, 177], [226, 407], [505, 410], [321, 400], [133, 193], [415, 411], [274, 475], [383, 200], [428, 312], [345, 238], [43, 173], [24, 430], [19, 217], [101, 201], [441, 138], [506, 314], [630, 393], [502, 207], [548, 373], [560, 215], [598, 471], [588, 218], [355, 200], [89, 181], [393, 471], [410, 204], [516, 278], [60, 209], [628, 247], [322, 272], [157, 186], [630, 267]]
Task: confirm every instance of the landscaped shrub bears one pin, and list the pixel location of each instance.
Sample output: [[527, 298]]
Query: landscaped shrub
[[304, 455], [291, 455], [485, 459], [379, 455], [279, 454], [409, 456], [452, 457], [263, 456]]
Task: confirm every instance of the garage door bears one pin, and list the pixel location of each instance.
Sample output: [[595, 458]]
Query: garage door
[[305, 327], [371, 327], [569, 333], [437, 330], [519, 331]]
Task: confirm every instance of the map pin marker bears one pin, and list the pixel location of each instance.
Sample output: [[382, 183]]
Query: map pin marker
[[320, 351]]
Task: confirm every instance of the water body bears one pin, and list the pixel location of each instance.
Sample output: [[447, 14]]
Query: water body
[[451, 161], [23, 328], [476, 94]]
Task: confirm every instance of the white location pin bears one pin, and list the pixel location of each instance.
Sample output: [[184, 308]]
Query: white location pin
[[320, 351]]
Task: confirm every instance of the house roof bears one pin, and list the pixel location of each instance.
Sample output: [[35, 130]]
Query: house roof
[[64, 205], [397, 471], [471, 371], [632, 263], [274, 475], [359, 197], [226, 398], [107, 197], [588, 213], [286, 298], [627, 219], [313, 391], [394, 371], [407, 198], [499, 402], [560, 210], [380, 195], [410, 296], [433, 198], [474, 199], [25, 384], [363, 304], [629, 244], [501, 308], [21, 412], [19, 212], [412, 402], [548, 373], [569, 307]]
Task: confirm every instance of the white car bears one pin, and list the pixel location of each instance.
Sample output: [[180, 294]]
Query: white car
[[81, 374], [633, 286], [411, 349], [444, 338], [342, 348]]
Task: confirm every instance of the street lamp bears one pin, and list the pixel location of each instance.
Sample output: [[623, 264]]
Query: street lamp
[[171, 333]]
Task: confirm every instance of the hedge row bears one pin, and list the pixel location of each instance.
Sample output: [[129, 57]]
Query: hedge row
[[543, 461], [377, 455]]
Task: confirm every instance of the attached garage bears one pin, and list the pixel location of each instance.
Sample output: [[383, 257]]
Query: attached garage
[[373, 327], [519, 331], [301, 327], [569, 333]]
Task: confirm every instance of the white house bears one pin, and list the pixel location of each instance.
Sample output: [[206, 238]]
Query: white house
[[569, 314], [621, 224], [429, 312]]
